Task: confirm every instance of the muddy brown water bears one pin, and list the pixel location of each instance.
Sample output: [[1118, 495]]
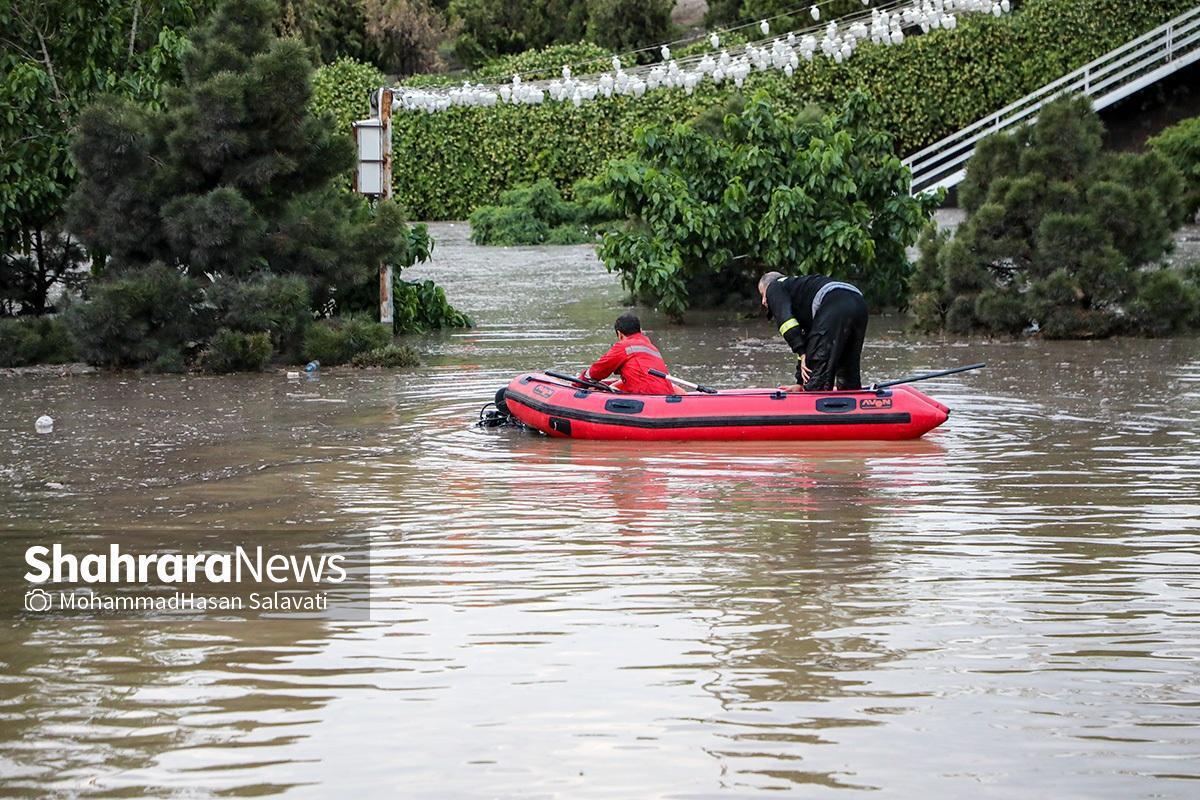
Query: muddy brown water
[[1009, 607]]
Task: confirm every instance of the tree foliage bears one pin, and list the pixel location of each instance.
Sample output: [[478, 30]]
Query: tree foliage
[[237, 181], [406, 34], [28, 274], [1180, 144], [237, 177], [707, 214], [784, 14], [1056, 230], [491, 28], [629, 25], [56, 56]]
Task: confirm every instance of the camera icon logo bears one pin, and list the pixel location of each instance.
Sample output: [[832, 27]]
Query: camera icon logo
[[38, 600]]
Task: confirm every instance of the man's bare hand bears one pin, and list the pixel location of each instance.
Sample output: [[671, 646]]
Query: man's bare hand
[[795, 387], [805, 372]]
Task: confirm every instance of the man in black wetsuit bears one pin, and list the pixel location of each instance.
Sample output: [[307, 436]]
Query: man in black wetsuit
[[824, 322]]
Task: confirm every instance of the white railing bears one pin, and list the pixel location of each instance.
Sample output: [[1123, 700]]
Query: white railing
[[1111, 77]]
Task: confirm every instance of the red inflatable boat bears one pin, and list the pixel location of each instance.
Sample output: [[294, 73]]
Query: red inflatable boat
[[557, 408]]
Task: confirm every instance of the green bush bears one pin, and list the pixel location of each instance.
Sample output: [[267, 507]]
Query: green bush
[[236, 351], [1056, 230], [932, 85], [544, 31], [960, 316], [707, 215], [152, 317], [1166, 303], [274, 304], [422, 306], [506, 225], [391, 356], [1180, 144], [35, 340], [1000, 310], [594, 206], [568, 233], [339, 339], [529, 214]]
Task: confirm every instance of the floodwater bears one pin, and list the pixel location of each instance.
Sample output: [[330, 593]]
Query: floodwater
[[1009, 607]]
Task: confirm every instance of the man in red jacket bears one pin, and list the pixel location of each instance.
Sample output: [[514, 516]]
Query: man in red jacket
[[634, 355]]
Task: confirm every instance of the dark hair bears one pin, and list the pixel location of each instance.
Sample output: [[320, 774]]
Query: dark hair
[[628, 324]]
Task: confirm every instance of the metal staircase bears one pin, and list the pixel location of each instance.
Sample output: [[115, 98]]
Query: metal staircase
[[1113, 76]]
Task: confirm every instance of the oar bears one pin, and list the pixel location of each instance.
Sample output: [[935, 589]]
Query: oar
[[680, 381], [604, 387], [927, 376]]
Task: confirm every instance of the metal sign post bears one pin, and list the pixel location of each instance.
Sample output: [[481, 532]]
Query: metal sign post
[[373, 178]]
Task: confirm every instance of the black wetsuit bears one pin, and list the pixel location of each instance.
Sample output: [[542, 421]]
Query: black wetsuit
[[831, 341]]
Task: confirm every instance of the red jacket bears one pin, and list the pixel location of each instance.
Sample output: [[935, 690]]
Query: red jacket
[[633, 357]]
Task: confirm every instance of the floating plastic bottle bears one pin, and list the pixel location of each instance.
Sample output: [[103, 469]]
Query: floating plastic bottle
[[44, 424], [312, 366]]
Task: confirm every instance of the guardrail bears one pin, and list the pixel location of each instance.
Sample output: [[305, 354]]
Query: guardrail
[[1111, 77]]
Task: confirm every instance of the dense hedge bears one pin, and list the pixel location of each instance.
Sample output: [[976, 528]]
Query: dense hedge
[[449, 163], [343, 90]]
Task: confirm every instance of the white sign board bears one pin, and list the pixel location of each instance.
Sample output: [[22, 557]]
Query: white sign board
[[369, 177]]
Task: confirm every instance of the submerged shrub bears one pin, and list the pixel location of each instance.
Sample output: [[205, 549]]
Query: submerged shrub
[[236, 351], [152, 317], [568, 234], [390, 356], [25, 341], [527, 215], [339, 339], [422, 306], [1180, 144], [275, 304], [1002, 311], [505, 226], [1165, 304]]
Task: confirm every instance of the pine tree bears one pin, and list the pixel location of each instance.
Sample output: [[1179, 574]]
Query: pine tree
[[1056, 233], [235, 176]]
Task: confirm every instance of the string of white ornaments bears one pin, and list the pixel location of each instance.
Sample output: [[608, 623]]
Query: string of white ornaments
[[884, 25]]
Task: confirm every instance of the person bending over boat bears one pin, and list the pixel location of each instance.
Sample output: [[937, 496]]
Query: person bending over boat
[[633, 356], [824, 322]]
